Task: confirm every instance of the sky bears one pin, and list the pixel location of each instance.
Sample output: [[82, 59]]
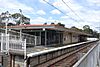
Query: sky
[[40, 12]]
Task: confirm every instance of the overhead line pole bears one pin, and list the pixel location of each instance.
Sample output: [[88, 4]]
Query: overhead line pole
[[20, 24]]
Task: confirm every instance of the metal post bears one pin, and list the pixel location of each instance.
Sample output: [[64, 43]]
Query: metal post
[[20, 24], [7, 43], [20, 34], [25, 53], [13, 61], [35, 40], [45, 37], [40, 37], [99, 35], [2, 42], [6, 28], [6, 23], [59, 37]]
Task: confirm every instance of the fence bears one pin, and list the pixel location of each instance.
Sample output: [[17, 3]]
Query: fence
[[31, 40], [9, 43], [14, 44], [91, 58]]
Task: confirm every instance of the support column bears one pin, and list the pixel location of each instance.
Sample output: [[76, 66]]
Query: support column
[[13, 61], [71, 37], [2, 60], [45, 37], [10, 60], [50, 37], [62, 36], [28, 62], [35, 33], [40, 37], [35, 40], [59, 37]]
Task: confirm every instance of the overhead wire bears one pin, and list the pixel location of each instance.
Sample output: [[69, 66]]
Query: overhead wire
[[76, 13], [61, 11], [65, 13], [72, 10]]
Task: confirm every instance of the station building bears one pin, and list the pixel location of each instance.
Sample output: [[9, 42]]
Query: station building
[[52, 34], [48, 35]]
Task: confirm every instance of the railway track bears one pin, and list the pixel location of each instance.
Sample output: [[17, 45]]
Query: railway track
[[68, 59]]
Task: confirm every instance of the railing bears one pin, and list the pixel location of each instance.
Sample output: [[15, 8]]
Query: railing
[[4, 43], [11, 43], [91, 58], [17, 45], [31, 40]]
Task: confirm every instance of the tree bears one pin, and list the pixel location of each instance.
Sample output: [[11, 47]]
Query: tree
[[87, 29], [20, 19], [4, 17], [75, 28], [45, 23], [60, 24], [16, 17], [1, 19], [95, 34], [11, 24], [52, 23]]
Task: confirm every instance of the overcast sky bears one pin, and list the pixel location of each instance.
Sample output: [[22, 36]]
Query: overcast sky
[[40, 12]]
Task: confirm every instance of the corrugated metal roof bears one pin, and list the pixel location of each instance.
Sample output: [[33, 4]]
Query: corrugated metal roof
[[48, 26]]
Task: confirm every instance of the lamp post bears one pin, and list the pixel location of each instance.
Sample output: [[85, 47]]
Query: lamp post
[[20, 24], [6, 17], [21, 38]]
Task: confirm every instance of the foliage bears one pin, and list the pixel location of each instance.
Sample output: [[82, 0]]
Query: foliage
[[75, 28], [60, 24], [96, 34], [4, 17], [16, 17], [88, 30], [86, 27], [20, 19], [52, 23], [45, 23], [11, 24]]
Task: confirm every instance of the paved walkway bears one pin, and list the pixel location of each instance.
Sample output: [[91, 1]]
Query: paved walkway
[[37, 49]]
